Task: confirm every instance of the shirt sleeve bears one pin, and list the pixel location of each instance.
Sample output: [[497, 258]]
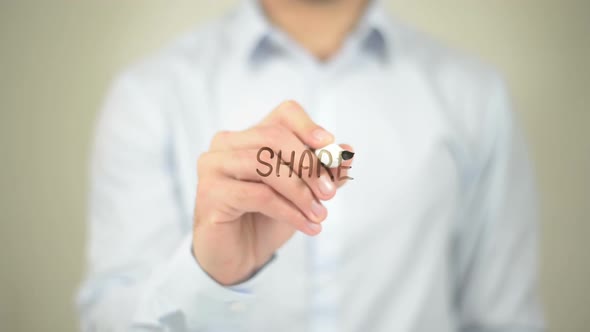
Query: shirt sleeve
[[496, 247], [141, 271]]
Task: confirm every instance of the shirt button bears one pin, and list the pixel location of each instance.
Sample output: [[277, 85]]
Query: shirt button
[[237, 306]]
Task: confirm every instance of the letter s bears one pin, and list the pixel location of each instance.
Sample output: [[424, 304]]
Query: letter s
[[272, 154]]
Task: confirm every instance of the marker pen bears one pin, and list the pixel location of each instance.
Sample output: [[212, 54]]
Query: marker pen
[[332, 155]]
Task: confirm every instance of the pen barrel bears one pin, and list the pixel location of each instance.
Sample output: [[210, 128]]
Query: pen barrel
[[330, 155]]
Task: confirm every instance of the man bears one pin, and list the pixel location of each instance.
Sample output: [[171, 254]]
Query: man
[[436, 231]]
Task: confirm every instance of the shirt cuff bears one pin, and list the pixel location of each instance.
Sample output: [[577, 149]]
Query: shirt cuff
[[182, 289]]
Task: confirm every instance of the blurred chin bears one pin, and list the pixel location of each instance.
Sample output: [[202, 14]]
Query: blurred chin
[[320, 1]]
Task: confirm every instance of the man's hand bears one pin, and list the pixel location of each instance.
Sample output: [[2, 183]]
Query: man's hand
[[242, 218]]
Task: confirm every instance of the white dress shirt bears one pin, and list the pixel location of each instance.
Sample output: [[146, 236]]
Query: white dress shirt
[[437, 231]]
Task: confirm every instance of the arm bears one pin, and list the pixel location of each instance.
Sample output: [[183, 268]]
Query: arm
[[141, 269], [144, 247], [496, 247]]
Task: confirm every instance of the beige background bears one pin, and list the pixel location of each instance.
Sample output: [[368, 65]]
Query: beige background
[[57, 58]]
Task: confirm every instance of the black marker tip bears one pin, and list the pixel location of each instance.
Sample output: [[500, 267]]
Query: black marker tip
[[347, 155]]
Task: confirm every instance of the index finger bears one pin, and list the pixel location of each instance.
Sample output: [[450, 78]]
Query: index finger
[[292, 116]]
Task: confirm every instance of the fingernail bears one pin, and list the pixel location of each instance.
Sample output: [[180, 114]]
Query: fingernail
[[317, 209], [326, 185], [321, 135], [315, 228]]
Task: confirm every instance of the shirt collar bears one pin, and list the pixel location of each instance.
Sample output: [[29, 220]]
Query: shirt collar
[[252, 32], [374, 30]]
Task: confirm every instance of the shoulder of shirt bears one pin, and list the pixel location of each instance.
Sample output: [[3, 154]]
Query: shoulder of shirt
[[186, 55], [444, 64], [473, 94]]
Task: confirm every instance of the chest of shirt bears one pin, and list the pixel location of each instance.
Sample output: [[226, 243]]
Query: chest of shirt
[[403, 164], [403, 198]]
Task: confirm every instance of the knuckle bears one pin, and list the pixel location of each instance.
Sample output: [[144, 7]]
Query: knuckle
[[219, 137], [244, 158], [241, 193], [287, 107], [241, 156], [204, 188], [214, 217], [202, 162], [290, 105], [271, 134], [263, 194]]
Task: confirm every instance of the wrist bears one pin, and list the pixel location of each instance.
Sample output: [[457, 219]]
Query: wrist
[[226, 272]]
